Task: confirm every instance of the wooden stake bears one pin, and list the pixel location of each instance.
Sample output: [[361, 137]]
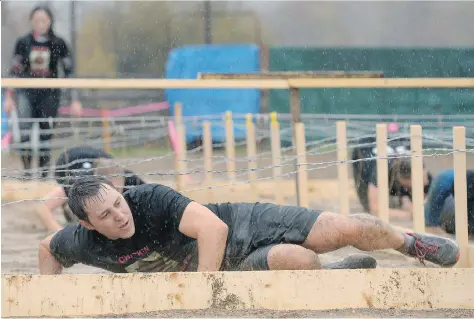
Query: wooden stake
[[417, 177], [252, 155], [460, 191], [382, 173], [302, 174], [276, 155], [207, 145], [342, 168], [230, 146]]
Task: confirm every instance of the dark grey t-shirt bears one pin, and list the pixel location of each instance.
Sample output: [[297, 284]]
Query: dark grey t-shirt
[[157, 242]]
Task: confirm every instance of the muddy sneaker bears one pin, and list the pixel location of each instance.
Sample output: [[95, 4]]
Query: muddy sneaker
[[438, 250], [355, 261]]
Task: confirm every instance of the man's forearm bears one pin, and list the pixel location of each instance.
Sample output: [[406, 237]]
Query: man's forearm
[[48, 265], [211, 248], [47, 218]]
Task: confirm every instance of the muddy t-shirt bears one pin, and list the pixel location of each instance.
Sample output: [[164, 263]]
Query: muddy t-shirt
[[157, 244]]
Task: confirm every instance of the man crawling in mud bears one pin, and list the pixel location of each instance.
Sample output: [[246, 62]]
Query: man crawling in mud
[[152, 227]]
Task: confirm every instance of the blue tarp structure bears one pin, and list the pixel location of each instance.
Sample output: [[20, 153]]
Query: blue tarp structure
[[186, 62]]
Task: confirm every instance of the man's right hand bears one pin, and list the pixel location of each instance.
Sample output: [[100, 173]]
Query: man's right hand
[[9, 104]]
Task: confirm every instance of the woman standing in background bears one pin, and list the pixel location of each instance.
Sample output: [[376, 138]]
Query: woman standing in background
[[37, 55]]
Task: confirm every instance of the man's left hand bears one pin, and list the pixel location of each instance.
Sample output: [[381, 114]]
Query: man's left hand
[[210, 231]]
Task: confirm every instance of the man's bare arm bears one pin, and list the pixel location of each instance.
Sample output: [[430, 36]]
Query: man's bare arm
[[211, 233], [48, 265], [44, 211]]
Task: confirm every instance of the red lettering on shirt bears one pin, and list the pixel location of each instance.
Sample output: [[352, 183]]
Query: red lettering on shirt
[[123, 259]]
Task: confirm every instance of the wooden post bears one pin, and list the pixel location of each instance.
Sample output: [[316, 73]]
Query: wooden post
[[417, 177], [251, 155], [181, 157], [207, 145], [276, 156], [460, 191], [382, 173], [295, 105], [302, 174], [178, 113], [106, 130], [295, 109], [230, 146], [342, 168], [181, 166]]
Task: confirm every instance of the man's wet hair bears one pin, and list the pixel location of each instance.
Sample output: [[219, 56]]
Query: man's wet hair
[[83, 190]]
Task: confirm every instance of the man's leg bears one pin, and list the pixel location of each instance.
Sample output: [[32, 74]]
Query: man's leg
[[48, 110], [24, 112], [295, 257], [333, 231]]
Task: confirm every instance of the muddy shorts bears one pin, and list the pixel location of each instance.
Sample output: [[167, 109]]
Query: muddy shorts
[[254, 228]]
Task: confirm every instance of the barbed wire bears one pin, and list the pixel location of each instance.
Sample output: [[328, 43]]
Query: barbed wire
[[311, 152], [319, 165], [144, 136], [58, 169], [320, 147], [247, 158], [215, 145]]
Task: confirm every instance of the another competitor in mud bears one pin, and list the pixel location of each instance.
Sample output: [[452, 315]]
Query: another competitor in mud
[[399, 177], [439, 206], [71, 164], [153, 228]]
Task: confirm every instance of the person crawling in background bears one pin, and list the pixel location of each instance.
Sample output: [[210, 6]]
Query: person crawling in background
[[440, 207], [75, 162], [399, 178], [153, 228]]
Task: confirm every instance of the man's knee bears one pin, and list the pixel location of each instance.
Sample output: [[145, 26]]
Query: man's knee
[[292, 257], [362, 225]]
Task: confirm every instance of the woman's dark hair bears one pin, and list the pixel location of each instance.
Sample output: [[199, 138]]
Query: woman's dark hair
[[48, 11]]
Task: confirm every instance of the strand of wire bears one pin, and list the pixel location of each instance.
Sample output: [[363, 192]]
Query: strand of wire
[[264, 168], [258, 157], [199, 148], [328, 165], [287, 159]]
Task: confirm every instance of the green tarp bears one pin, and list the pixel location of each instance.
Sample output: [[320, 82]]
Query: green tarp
[[435, 62]]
